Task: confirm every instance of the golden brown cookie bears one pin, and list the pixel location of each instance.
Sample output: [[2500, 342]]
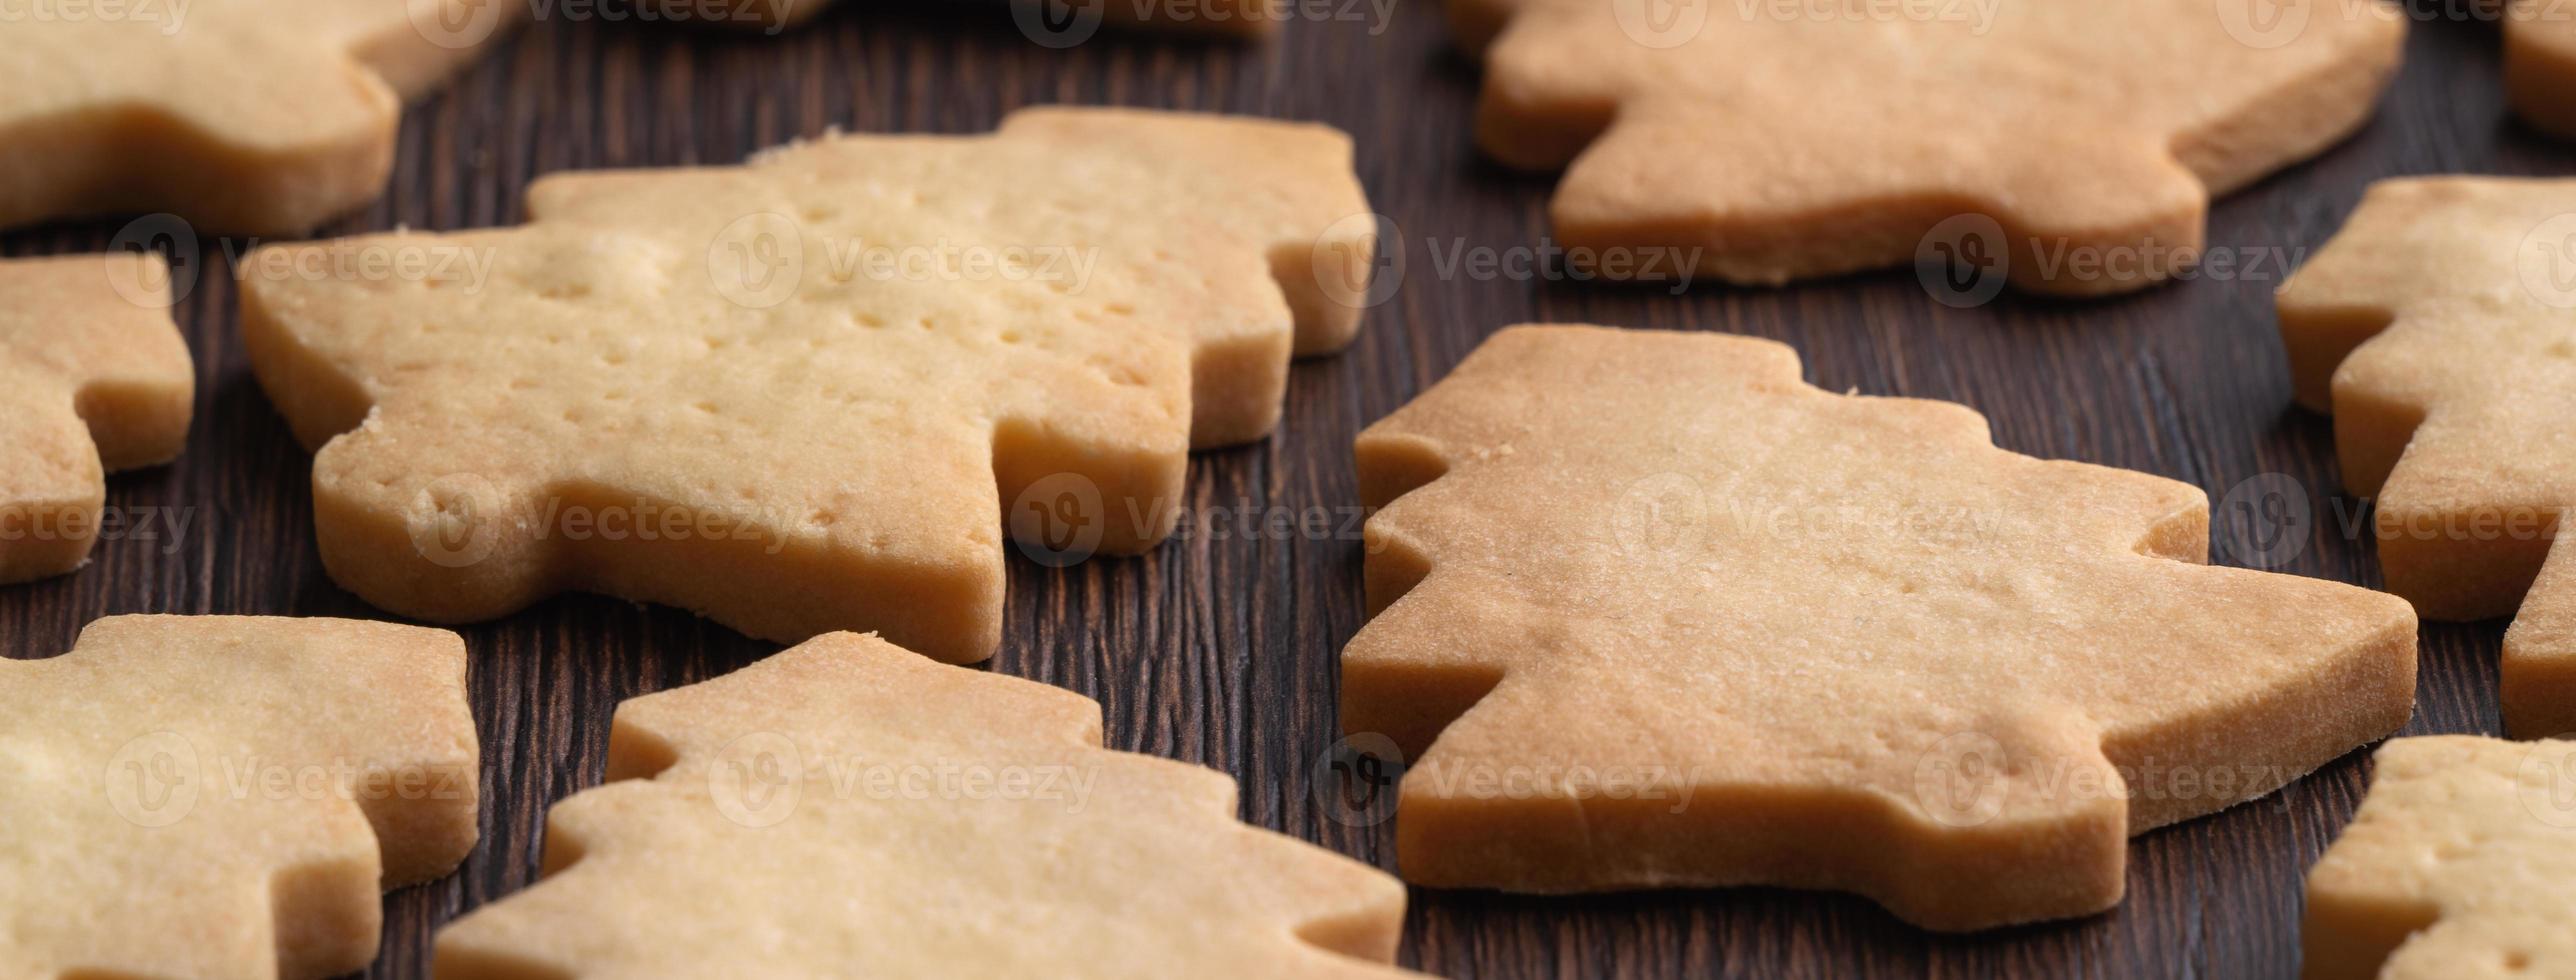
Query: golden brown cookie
[[2461, 863], [93, 378], [225, 797], [785, 394], [2540, 63], [1761, 142], [1653, 612], [255, 117], [2437, 327], [849, 809]]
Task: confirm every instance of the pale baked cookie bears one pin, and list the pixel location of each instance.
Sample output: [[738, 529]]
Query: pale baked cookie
[[1651, 611], [784, 394], [849, 809], [94, 378], [2440, 327], [255, 117], [2540, 63], [1771, 140], [2461, 864], [225, 797]]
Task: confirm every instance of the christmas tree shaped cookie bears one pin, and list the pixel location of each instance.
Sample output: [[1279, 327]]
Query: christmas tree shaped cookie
[[258, 117], [2440, 328], [1763, 142], [849, 809], [804, 395], [1654, 612], [2461, 863], [93, 378], [187, 796]]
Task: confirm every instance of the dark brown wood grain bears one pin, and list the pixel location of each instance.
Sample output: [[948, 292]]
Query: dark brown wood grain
[[1220, 650]]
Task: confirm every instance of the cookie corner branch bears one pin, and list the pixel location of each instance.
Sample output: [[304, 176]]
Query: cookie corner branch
[[242, 117], [94, 379]]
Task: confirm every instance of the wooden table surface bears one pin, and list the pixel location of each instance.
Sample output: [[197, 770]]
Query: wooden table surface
[[1221, 650]]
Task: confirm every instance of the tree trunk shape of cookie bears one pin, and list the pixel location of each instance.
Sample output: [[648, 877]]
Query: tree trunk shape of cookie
[[256, 117], [2461, 863], [224, 797], [94, 378], [850, 809], [2068, 145], [1654, 612], [2437, 328], [792, 395]]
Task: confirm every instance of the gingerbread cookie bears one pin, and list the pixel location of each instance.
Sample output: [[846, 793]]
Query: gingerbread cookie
[[212, 796], [784, 394], [94, 378], [2436, 327], [2540, 63], [849, 809], [1653, 612], [1765, 142], [2461, 863], [254, 117]]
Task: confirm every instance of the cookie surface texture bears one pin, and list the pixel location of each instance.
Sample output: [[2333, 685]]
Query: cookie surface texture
[[847, 808], [249, 117], [2076, 142], [2460, 863], [1652, 611], [2437, 327], [803, 395], [94, 378], [226, 797]]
